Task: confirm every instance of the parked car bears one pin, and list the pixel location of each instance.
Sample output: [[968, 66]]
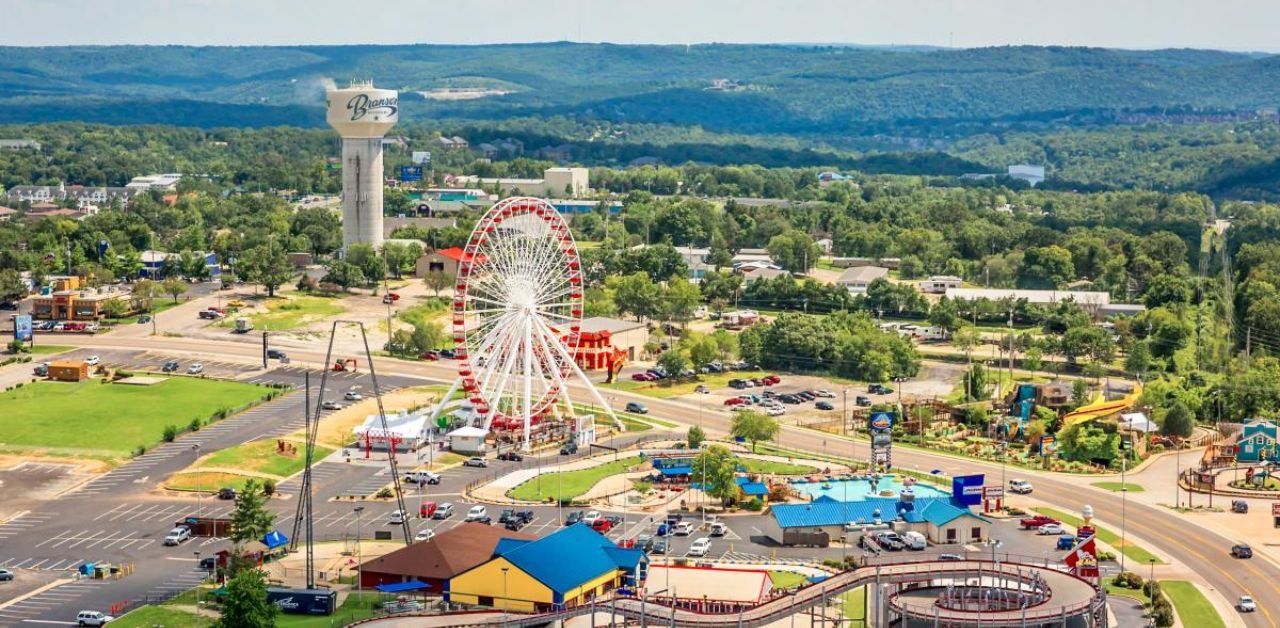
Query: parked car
[[331, 405], [448, 353], [1239, 505], [659, 546], [591, 517], [602, 525], [775, 411], [737, 384], [352, 395], [169, 366], [41, 370], [702, 389], [195, 369], [1065, 542], [422, 477], [719, 529], [397, 518], [950, 557], [226, 492], [641, 377], [879, 389], [574, 517], [1020, 486], [514, 524], [476, 513], [569, 448], [637, 407], [1246, 604], [700, 547], [824, 405], [425, 534], [444, 511], [684, 528], [1049, 528], [734, 401], [93, 360], [92, 618], [145, 318], [429, 355], [475, 461], [1242, 551], [862, 401], [177, 535], [644, 542], [5, 575], [507, 514], [823, 392], [275, 354], [209, 563], [1037, 521], [890, 540], [510, 456]]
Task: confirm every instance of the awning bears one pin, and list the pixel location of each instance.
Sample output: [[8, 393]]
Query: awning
[[676, 470], [399, 587], [274, 539]]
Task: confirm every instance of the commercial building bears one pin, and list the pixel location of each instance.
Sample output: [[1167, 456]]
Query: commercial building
[[939, 284], [468, 439], [564, 569], [443, 261], [1026, 172], [939, 519], [561, 182], [405, 431], [83, 196], [75, 305], [19, 145], [1257, 441], [68, 370], [168, 181], [1088, 300], [437, 561], [153, 263], [857, 278], [627, 337]]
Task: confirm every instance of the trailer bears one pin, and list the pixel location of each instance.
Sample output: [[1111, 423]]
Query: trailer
[[303, 601]]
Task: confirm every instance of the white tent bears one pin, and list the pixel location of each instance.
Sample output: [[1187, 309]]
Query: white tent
[[407, 430]]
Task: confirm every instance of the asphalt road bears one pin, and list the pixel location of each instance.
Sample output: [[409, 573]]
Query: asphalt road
[[1203, 550]]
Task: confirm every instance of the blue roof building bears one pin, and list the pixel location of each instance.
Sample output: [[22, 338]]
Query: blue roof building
[[940, 519]]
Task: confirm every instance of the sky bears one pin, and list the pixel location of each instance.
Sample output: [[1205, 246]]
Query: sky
[[1246, 25]]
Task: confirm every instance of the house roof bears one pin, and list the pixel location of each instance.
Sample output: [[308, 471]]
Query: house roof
[[862, 274], [830, 512], [757, 273], [456, 254], [569, 557], [611, 325], [448, 554]]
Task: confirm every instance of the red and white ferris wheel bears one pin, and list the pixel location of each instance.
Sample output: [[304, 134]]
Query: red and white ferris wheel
[[517, 310]]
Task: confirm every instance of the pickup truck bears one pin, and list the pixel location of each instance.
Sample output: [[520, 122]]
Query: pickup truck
[[1037, 521]]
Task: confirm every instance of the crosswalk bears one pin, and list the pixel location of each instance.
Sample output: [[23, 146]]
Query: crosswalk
[[59, 601]]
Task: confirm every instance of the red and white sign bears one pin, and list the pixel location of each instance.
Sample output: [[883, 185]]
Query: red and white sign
[[1275, 509], [1083, 559], [992, 492]]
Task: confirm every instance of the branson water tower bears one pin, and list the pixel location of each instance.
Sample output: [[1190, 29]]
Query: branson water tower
[[362, 114]]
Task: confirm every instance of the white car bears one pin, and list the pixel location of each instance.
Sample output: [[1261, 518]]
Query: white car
[[1246, 604], [352, 396], [397, 517], [1050, 528], [700, 547], [1019, 486], [591, 517], [684, 528], [823, 392], [330, 405], [92, 618], [177, 536], [195, 369], [775, 411], [93, 360], [477, 513], [425, 534]]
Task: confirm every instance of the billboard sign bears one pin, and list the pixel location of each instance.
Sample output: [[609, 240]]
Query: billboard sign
[[410, 173], [421, 157], [22, 327], [992, 492], [881, 421], [967, 489], [1047, 445]]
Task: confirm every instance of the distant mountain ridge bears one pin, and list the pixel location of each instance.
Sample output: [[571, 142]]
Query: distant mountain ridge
[[791, 89]]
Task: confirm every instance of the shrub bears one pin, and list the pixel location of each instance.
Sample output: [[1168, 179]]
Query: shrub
[[1151, 589], [194, 425], [385, 493], [170, 433], [269, 487], [1107, 556], [139, 450], [755, 505], [1128, 580]]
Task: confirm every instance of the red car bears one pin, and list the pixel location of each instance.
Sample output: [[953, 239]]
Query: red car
[[736, 401], [602, 525], [429, 355], [1037, 521], [771, 380], [642, 377], [390, 297]]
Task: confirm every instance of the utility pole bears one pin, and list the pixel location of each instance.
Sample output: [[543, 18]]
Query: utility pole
[[1248, 345]]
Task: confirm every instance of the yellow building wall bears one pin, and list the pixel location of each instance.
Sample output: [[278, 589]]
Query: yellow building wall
[[583, 593], [522, 590]]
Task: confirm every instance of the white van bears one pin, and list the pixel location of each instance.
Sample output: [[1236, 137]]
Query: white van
[[477, 513], [915, 540], [700, 547]]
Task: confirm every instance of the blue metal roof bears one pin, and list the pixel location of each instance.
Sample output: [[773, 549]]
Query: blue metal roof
[[829, 512], [397, 587], [675, 470], [569, 557], [754, 488]]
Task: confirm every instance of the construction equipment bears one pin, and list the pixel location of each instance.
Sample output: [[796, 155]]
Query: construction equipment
[[344, 365]]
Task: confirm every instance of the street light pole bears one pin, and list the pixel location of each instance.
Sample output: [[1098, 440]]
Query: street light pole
[[1124, 492], [505, 601], [197, 553], [359, 557]]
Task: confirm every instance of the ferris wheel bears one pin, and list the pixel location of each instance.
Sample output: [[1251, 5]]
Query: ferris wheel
[[517, 310]]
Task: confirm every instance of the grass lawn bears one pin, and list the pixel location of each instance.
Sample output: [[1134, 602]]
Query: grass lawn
[[149, 616], [1134, 552], [1115, 487], [290, 314], [112, 418], [261, 456], [665, 389], [786, 579], [354, 608], [855, 604], [1135, 594], [753, 465], [628, 423], [48, 349], [158, 305], [1192, 606], [206, 481], [430, 309], [570, 484]]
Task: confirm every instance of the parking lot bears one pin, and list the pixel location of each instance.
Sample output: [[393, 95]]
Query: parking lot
[[27, 483]]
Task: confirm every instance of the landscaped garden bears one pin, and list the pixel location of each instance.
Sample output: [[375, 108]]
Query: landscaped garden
[[1134, 552], [569, 484], [1193, 608], [1115, 487], [773, 467], [113, 419]]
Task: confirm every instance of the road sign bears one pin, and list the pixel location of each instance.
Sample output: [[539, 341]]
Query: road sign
[[410, 173], [992, 492], [421, 157], [22, 327], [1275, 509]]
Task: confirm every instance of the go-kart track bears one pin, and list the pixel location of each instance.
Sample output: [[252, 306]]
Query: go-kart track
[[912, 594]]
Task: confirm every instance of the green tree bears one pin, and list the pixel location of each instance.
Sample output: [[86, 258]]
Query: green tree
[[636, 294], [1138, 361], [695, 437], [1046, 267], [245, 604], [265, 264], [674, 361], [1080, 392], [437, 281], [716, 468], [343, 273], [975, 383], [427, 336], [251, 520], [702, 349], [11, 286], [144, 292], [1033, 358], [726, 344], [754, 426], [1178, 420], [174, 287], [794, 250], [680, 299], [371, 265]]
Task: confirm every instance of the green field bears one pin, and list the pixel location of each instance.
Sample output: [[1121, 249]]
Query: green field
[[786, 579], [1116, 487], [93, 417], [48, 349], [628, 424], [207, 481], [569, 484], [291, 314], [1134, 552], [754, 465], [1135, 594], [260, 456], [357, 606], [854, 607], [1192, 606], [150, 616]]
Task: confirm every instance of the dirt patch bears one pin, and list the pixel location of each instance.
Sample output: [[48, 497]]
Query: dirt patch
[[335, 429]]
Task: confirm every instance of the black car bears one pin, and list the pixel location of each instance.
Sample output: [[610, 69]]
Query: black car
[[506, 515], [524, 515], [569, 448], [1242, 551], [644, 542], [448, 353], [515, 524], [226, 492], [879, 389], [806, 395], [209, 563], [862, 401], [789, 399], [573, 517], [659, 546], [824, 405], [511, 456], [614, 520], [738, 384], [170, 366], [275, 354]]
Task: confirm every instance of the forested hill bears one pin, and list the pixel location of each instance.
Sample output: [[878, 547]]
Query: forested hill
[[830, 90]]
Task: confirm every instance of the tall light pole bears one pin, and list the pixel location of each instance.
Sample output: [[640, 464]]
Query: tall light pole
[[359, 557], [1124, 492], [505, 601], [197, 553]]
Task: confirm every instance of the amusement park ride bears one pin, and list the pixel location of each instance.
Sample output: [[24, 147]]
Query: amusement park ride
[[517, 311]]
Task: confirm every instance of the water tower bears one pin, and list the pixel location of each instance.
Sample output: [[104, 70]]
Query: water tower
[[362, 114]]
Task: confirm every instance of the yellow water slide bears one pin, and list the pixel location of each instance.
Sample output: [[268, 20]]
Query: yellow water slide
[[1100, 407]]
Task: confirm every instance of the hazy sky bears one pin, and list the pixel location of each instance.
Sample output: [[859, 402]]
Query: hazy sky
[[1223, 24]]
